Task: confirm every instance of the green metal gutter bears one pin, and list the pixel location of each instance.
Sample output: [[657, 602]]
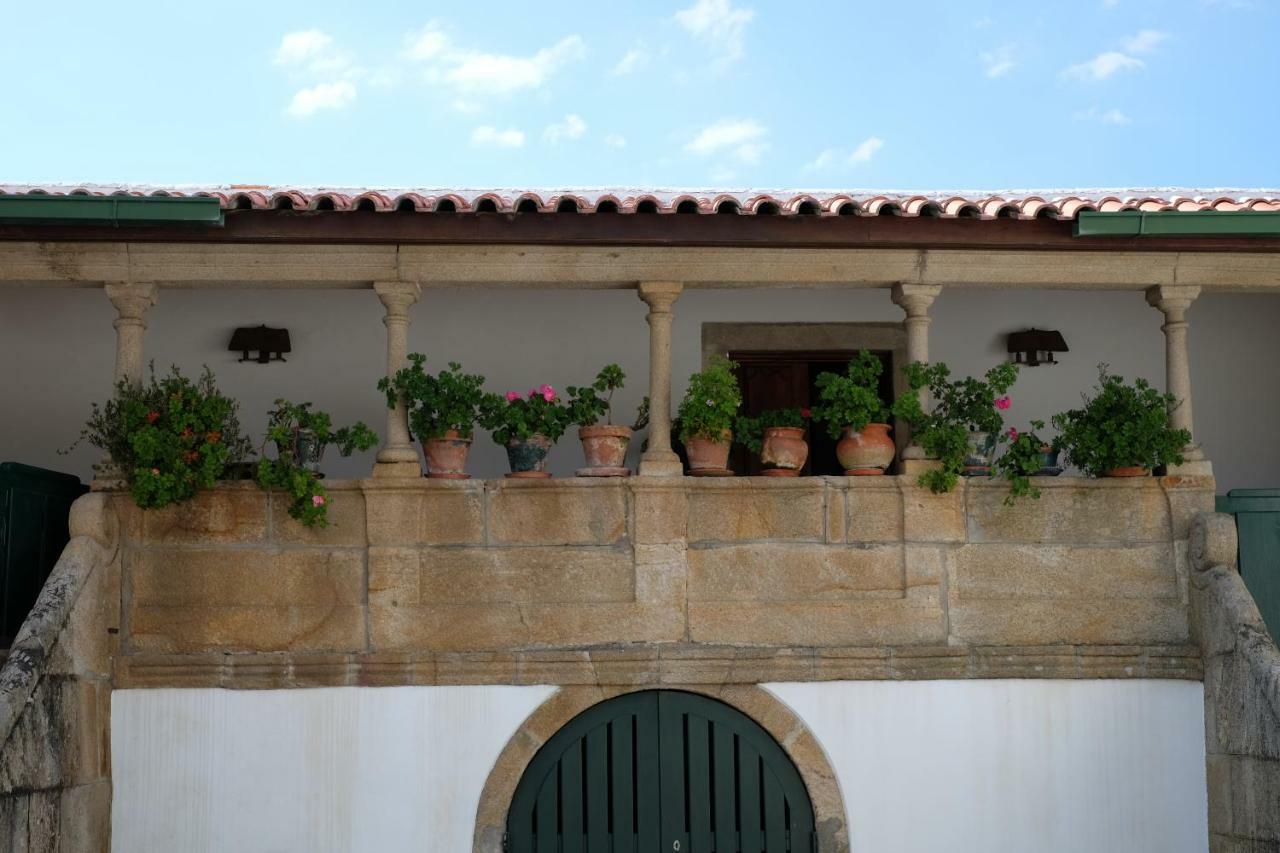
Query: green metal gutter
[[1173, 223], [115, 211]]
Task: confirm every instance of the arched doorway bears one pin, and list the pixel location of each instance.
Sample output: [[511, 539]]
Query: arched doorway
[[661, 770]]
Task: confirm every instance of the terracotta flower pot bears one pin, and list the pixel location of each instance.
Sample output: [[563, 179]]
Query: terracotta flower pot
[[868, 451], [605, 448], [528, 457], [1128, 471], [784, 451], [447, 456], [707, 453]]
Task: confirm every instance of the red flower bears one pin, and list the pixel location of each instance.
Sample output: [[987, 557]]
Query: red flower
[[1013, 434], [152, 417], [804, 413], [1003, 403]]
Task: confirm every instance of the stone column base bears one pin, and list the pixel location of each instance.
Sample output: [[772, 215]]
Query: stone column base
[[916, 467], [399, 470], [667, 465], [1192, 468]]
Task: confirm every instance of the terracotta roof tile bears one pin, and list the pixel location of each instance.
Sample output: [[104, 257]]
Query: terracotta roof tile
[[1021, 204]]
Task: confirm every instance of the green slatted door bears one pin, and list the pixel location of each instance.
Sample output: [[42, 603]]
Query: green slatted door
[[661, 772]]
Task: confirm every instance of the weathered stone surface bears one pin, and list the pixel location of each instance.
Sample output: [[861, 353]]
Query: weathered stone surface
[[1255, 798], [246, 628], [578, 513], [1049, 621], [346, 513], [428, 512], [84, 818], [774, 573], [661, 574], [1071, 509], [1024, 662], [428, 576], [230, 514], [1064, 571], [256, 577], [873, 510], [932, 518], [767, 510], [852, 623], [13, 822], [43, 821], [1188, 498], [661, 509]]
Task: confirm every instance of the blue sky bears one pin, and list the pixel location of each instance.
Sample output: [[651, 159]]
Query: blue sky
[[732, 93]]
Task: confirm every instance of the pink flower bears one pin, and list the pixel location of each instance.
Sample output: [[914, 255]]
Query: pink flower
[[1002, 403], [317, 500], [1013, 434], [155, 472], [548, 393], [804, 413], [512, 396]]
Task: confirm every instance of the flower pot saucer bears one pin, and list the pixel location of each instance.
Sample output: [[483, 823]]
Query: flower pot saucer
[[710, 472], [1051, 471], [779, 472], [864, 472], [449, 476], [603, 472], [529, 475]]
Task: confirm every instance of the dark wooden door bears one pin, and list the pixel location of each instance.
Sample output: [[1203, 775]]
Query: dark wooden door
[[661, 772], [772, 379]]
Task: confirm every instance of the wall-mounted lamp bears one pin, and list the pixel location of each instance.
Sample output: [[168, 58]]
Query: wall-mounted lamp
[[1036, 346], [271, 344]]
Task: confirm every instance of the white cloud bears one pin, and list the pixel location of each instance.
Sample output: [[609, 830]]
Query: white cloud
[[743, 140], [866, 150], [997, 62], [573, 127], [718, 24], [313, 52], [324, 96], [615, 140], [475, 72], [1145, 41], [1111, 116], [487, 135], [1104, 65], [823, 161], [632, 60]]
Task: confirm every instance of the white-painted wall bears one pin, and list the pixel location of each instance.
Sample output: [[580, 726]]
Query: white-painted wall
[[58, 349], [962, 766]]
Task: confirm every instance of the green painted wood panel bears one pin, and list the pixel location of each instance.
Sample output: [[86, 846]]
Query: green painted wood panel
[[1257, 513]]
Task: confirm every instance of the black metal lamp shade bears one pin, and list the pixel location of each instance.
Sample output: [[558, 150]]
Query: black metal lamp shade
[[1036, 346], [271, 344]]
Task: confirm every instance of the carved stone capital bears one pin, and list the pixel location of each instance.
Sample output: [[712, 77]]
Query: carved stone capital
[[131, 300], [915, 299], [1172, 300], [660, 295], [397, 296]]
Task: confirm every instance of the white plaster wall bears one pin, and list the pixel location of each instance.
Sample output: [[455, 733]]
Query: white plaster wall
[[347, 770], [1014, 766], [963, 766], [58, 349]]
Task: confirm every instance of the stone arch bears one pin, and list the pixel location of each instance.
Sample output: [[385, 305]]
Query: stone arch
[[757, 703]]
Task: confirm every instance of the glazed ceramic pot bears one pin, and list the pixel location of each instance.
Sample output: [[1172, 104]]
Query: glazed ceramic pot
[[528, 457], [981, 454], [447, 456], [306, 450], [605, 448], [1049, 466], [868, 451], [708, 454], [1128, 471], [784, 451]]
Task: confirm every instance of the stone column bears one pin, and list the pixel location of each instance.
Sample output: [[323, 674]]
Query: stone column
[[1173, 301], [915, 299], [659, 459], [398, 457], [131, 302]]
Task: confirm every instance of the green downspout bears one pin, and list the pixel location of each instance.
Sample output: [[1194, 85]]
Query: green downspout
[[115, 211], [1174, 223]]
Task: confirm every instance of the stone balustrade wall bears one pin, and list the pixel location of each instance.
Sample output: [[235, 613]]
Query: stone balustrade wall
[[660, 581]]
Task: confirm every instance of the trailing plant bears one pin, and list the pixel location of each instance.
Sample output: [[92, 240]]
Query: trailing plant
[[1121, 425], [750, 431], [1022, 460], [960, 406], [710, 402], [587, 406], [853, 399], [448, 400], [300, 435], [168, 437], [516, 417]]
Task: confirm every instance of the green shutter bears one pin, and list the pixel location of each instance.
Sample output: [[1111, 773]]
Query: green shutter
[[1257, 513], [661, 772]]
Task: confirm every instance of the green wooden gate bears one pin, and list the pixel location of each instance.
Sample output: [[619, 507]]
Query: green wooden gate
[[661, 772], [1257, 513]]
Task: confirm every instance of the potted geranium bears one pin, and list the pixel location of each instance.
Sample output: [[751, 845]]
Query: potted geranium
[[1027, 456], [777, 435], [1122, 430], [300, 435], [604, 444], [169, 437], [706, 417], [854, 413], [965, 424], [527, 425], [442, 408]]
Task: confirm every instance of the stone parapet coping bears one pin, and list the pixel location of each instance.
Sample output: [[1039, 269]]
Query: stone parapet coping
[[656, 665]]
